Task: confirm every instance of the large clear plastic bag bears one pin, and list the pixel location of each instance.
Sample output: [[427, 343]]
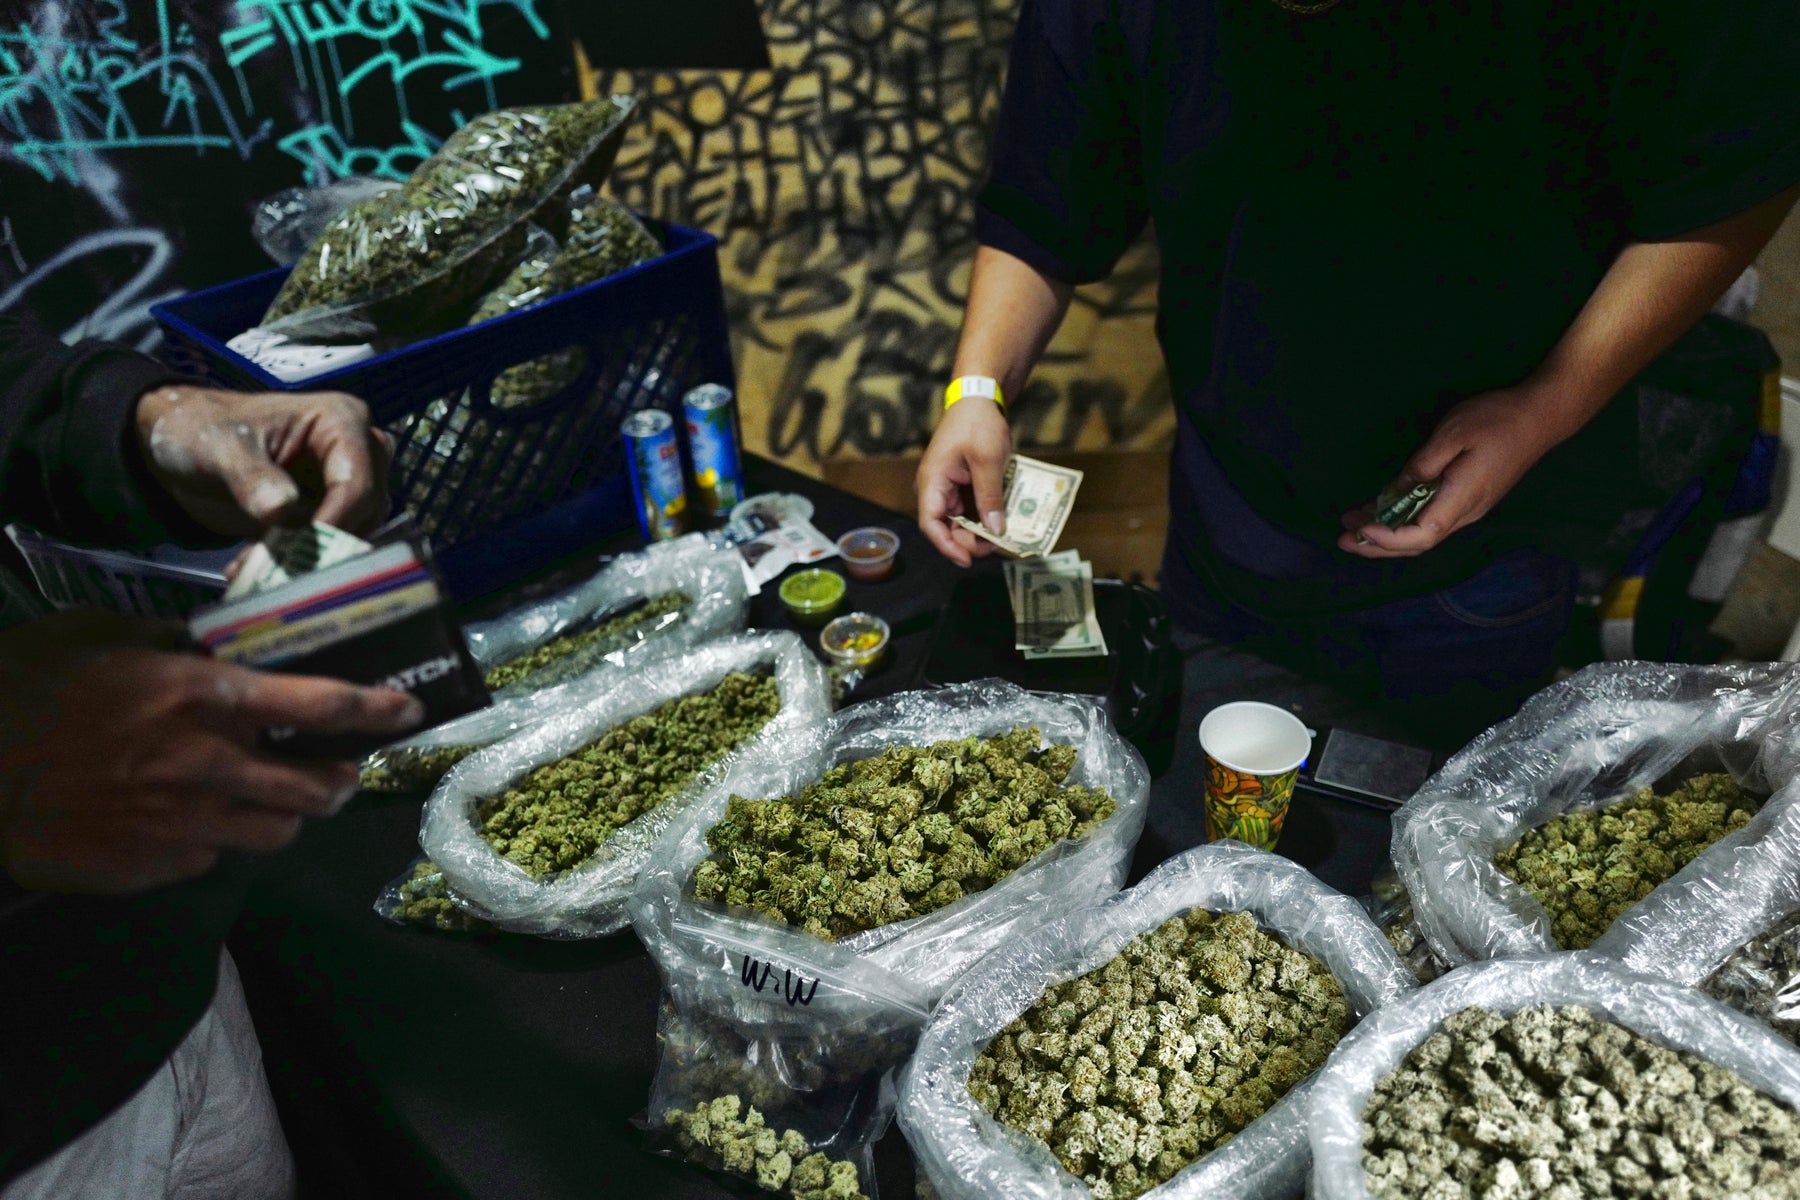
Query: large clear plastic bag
[[601, 238], [1674, 1016], [289, 221], [1701, 919], [411, 262], [532, 280], [587, 901], [812, 1031], [717, 605], [712, 581], [965, 1154], [1584, 744]]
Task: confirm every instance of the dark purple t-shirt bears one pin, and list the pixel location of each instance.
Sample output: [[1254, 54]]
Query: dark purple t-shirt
[[1369, 214]]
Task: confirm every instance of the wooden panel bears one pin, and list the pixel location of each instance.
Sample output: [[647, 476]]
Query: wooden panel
[[1120, 518]]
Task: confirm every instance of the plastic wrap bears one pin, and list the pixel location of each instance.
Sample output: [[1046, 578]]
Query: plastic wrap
[[292, 219], [413, 261], [603, 238], [1762, 978], [587, 900], [809, 1030], [1674, 1016], [713, 582], [965, 1154], [717, 607], [1391, 909], [1584, 743], [1702, 918], [533, 279]]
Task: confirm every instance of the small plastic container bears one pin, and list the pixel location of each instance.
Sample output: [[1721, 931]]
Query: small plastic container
[[858, 640], [868, 552], [811, 596]]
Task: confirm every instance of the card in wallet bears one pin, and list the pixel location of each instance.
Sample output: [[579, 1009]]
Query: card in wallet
[[381, 619]]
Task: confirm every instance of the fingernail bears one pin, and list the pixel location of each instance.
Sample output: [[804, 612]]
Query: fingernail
[[995, 521], [271, 496], [341, 797], [409, 714]]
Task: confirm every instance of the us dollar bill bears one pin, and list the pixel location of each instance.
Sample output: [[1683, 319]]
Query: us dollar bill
[[1055, 611], [1038, 499], [1401, 502], [1062, 559], [285, 554]]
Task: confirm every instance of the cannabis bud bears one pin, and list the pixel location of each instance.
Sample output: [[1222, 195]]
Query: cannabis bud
[[1133, 1071], [899, 835], [575, 651], [424, 899], [714, 1133], [1560, 1103], [557, 816], [1586, 868]]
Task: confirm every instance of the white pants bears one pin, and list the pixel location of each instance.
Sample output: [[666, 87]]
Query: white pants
[[203, 1128]]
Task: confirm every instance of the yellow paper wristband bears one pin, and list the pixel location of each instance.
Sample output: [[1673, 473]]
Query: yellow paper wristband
[[973, 385]]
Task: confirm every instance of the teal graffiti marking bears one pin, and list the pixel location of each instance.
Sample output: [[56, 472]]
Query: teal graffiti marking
[[68, 92]]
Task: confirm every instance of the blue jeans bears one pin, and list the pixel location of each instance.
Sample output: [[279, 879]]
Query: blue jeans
[[1450, 663]]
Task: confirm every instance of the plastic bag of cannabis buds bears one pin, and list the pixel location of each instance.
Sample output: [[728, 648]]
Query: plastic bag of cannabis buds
[[600, 239], [1576, 1107], [289, 221], [1565, 779], [965, 1152], [1730, 929], [549, 655], [811, 1030], [526, 887], [412, 262], [545, 641]]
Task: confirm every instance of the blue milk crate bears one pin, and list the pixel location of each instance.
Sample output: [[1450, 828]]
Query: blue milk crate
[[505, 491]]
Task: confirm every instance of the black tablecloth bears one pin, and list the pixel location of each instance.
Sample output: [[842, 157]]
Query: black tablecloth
[[408, 1061]]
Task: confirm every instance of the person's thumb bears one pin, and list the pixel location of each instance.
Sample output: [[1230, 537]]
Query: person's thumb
[[987, 479]]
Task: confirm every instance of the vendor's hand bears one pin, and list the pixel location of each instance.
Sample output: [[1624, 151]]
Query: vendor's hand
[[963, 473], [1479, 452], [238, 462], [125, 766]]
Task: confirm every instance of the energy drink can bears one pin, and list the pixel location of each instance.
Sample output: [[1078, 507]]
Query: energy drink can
[[712, 430], [655, 462]]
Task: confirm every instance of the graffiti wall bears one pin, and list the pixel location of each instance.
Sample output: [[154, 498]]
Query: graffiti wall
[[136, 135], [842, 181]]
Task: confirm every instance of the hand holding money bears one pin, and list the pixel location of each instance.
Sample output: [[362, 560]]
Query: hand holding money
[[239, 462], [1477, 454], [1038, 497]]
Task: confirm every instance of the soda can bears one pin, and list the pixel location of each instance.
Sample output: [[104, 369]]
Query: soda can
[[713, 442], [655, 461]]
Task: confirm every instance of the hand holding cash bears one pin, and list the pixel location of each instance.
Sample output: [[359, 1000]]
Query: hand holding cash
[[1038, 499], [1400, 503]]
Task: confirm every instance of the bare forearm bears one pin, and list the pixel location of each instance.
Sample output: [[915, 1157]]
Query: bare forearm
[[1013, 312], [1649, 296]]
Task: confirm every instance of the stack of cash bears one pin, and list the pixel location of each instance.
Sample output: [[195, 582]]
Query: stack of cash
[[1053, 607], [1052, 593]]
